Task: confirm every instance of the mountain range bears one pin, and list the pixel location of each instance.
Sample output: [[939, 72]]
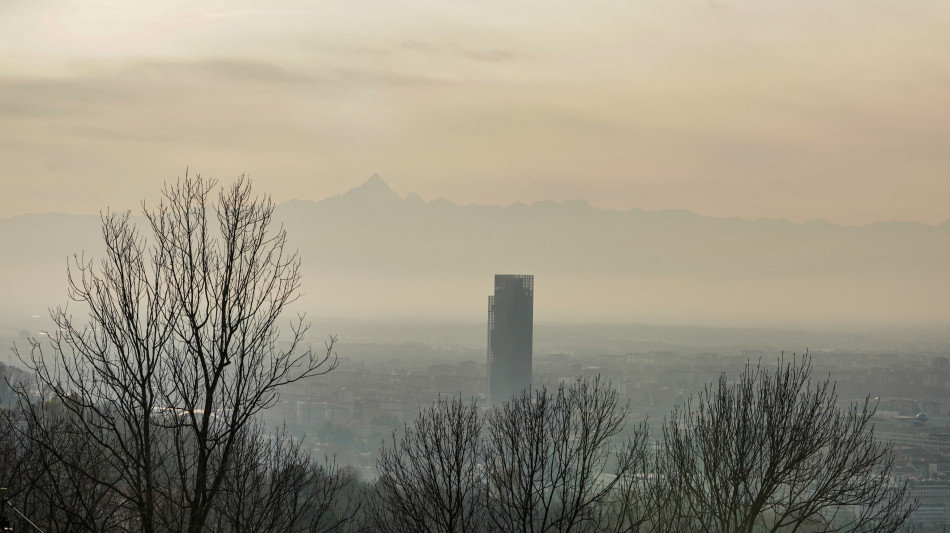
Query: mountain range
[[371, 252]]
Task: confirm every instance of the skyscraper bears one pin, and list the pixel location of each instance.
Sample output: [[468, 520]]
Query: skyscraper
[[510, 334]]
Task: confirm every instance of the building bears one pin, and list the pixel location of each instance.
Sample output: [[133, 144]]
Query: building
[[934, 500], [510, 336]]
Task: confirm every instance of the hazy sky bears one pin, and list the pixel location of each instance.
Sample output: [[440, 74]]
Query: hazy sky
[[798, 109]]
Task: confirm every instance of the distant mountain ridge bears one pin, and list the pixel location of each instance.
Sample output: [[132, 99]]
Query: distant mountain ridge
[[370, 251], [376, 190]]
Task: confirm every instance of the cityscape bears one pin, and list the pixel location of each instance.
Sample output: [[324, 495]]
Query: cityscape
[[245, 249], [379, 376]]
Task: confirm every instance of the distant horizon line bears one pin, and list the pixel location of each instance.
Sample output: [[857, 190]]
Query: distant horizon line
[[376, 181], [685, 322]]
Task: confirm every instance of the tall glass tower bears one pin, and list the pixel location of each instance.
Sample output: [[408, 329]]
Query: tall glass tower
[[510, 334]]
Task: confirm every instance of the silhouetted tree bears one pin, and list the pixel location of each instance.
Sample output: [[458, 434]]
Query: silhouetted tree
[[555, 461], [11, 378], [431, 478], [544, 461], [629, 507], [179, 353], [48, 490], [275, 486], [773, 451]]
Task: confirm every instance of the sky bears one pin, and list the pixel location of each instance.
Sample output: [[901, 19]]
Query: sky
[[812, 109]]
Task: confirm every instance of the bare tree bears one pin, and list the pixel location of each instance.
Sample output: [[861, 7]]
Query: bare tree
[[555, 461], [773, 451], [629, 507], [431, 479], [545, 461], [60, 497], [275, 486], [11, 378], [180, 350]]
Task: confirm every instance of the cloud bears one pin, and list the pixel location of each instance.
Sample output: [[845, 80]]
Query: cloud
[[222, 70], [97, 88], [251, 13], [452, 49]]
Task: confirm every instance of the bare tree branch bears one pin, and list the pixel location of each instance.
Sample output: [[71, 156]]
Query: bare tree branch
[[773, 451], [181, 349]]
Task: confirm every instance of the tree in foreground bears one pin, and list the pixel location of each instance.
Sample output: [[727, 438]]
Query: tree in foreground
[[275, 486], [42, 486], [180, 351], [545, 461], [432, 477], [773, 451], [555, 461]]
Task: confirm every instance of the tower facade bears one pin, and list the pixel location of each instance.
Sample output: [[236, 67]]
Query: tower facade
[[510, 336]]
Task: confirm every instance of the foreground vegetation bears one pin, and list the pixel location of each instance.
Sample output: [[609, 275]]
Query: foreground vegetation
[[770, 451]]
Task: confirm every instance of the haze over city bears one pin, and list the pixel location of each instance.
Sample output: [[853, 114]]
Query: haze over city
[[470, 267]]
